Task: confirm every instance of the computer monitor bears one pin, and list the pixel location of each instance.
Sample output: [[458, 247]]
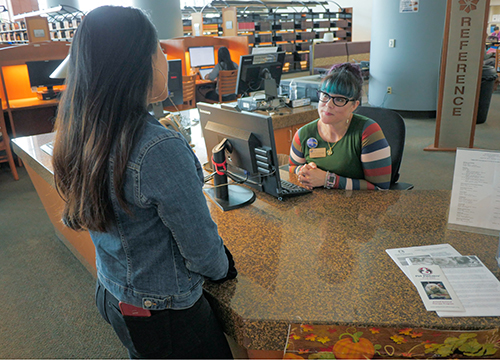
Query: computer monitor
[[259, 72], [174, 83], [264, 49], [246, 142], [39, 75], [201, 56]]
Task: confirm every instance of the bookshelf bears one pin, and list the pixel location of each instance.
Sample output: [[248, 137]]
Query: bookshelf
[[56, 24], [290, 26], [14, 32], [62, 27]]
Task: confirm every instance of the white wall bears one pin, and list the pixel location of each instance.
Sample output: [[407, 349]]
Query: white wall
[[411, 67], [361, 17]]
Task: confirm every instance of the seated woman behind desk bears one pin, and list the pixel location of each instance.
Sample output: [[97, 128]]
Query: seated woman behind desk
[[341, 150], [224, 63]]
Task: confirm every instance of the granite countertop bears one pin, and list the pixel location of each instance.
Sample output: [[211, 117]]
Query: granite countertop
[[320, 258], [285, 117]]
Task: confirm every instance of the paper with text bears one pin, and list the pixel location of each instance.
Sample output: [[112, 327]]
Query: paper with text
[[476, 286], [399, 255], [475, 194]]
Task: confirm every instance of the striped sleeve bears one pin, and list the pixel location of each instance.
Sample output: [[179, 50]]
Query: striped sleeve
[[375, 159], [296, 155], [376, 156]]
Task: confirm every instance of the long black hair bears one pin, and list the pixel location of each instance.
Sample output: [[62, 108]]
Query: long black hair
[[101, 112], [224, 59]]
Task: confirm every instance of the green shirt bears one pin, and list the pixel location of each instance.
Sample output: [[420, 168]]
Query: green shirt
[[346, 157]]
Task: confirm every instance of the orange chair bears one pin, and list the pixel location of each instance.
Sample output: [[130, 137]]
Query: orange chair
[[188, 90], [226, 84], [5, 146], [188, 94]]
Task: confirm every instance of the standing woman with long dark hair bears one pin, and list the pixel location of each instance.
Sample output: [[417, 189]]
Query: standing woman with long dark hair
[[137, 188], [224, 62]]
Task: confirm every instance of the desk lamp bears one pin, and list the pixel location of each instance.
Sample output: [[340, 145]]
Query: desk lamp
[[62, 70]]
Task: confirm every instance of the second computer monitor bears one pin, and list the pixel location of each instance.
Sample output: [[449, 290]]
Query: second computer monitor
[[39, 75], [257, 70], [201, 56]]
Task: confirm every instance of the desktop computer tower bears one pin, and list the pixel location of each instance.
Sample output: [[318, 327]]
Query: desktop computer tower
[[174, 83]]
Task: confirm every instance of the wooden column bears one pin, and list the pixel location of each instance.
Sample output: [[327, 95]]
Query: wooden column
[[197, 24], [229, 21], [461, 69]]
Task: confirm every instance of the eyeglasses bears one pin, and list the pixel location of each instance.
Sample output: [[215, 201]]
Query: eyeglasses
[[339, 101]]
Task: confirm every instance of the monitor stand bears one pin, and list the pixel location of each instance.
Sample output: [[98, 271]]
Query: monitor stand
[[237, 196], [227, 197], [47, 95]]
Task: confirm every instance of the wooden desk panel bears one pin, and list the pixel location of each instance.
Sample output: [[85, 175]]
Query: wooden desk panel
[[39, 167], [32, 120]]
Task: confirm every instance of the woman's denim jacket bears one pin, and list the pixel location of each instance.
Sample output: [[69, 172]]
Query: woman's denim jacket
[[158, 256]]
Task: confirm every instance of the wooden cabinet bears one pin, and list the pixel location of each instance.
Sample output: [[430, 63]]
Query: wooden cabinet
[[283, 138]]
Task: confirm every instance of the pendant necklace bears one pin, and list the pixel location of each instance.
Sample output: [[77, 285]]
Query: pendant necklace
[[329, 152]]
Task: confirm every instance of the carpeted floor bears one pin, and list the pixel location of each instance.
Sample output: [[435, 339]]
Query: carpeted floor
[[46, 295], [434, 169]]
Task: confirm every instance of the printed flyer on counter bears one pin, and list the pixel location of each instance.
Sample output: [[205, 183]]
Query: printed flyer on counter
[[434, 288], [477, 288], [475, 285], [400, 255]]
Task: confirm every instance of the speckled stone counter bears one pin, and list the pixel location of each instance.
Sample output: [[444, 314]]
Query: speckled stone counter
[[320, 258], [294, 116]]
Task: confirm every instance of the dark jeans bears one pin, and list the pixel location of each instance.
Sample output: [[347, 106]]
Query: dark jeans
[[192, 333]]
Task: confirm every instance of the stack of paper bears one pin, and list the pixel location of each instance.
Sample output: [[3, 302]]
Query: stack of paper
[[449, 283]]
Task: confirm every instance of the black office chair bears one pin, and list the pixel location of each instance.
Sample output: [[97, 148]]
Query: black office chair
[[394, 129]]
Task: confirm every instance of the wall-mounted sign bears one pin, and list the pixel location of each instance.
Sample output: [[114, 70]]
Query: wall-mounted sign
[[460, 79], [39, 33], [408, 6]]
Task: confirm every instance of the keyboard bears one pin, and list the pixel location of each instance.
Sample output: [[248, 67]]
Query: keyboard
[[289, 189]]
